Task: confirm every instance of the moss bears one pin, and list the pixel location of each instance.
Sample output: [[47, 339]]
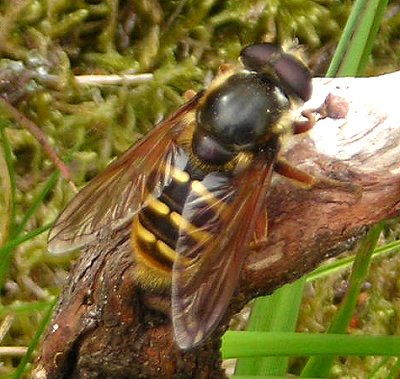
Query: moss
[[43, 44]]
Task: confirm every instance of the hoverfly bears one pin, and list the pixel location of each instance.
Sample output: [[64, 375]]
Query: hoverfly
[[193, 189]]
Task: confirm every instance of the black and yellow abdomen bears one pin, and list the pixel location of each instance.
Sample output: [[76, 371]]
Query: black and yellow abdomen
[[158, 226]]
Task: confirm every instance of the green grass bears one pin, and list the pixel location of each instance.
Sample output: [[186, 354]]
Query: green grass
[[276, 313], [261, 344], [24, 363], [322, 365]]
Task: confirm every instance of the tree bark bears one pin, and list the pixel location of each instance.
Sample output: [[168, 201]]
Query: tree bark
[[105, 327]]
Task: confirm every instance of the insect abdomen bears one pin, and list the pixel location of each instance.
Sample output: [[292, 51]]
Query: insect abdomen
[[157, 227]]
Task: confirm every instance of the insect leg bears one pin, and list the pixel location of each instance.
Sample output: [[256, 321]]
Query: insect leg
[[309, 181], [285, 169], [302, 126], [260, 235]]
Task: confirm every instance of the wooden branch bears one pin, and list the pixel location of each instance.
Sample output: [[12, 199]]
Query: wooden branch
[[105, 327], [359, 142]]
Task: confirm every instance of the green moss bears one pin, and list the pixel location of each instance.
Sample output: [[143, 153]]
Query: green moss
[[43, 44]]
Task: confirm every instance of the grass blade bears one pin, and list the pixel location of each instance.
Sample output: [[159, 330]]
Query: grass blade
[[355, 45], [250, 344], [277, 313], [36, 203], [8, 156], [317, 366], [6, 250], [19, 372], [343, 263]]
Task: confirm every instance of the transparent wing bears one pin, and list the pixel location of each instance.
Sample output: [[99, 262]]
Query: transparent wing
[[116, 195], [212, 247]]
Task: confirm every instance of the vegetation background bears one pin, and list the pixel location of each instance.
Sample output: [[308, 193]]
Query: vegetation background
[[46, 45]]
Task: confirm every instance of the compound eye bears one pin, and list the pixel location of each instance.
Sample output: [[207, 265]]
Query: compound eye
[[292, 74], [256, 57]]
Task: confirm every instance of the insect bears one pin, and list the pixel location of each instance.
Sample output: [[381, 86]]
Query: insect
[[193, 190]]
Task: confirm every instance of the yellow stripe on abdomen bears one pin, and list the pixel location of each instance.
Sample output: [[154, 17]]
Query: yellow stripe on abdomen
[[159, 225]]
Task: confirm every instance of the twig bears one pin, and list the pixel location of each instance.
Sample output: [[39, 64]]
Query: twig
[[15, 351], [6, 325], [113, 79]]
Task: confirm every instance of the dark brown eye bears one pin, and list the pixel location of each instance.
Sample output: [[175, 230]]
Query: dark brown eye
[[292, 74], [256, 57]]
